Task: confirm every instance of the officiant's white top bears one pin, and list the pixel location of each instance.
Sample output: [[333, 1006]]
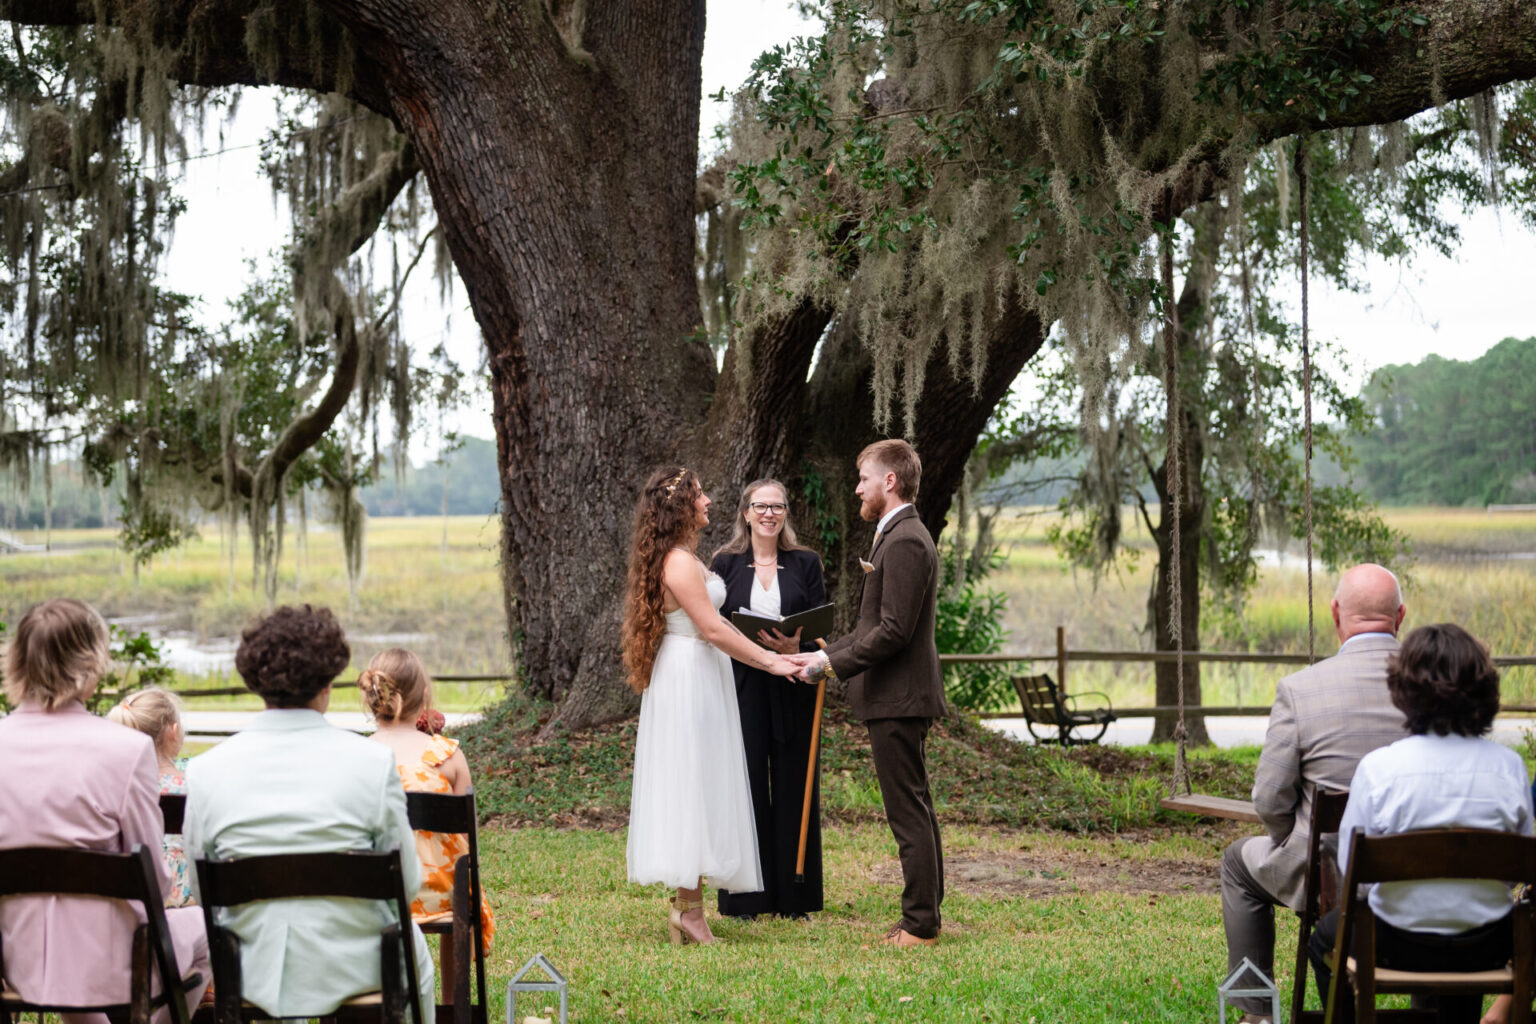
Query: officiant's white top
[[766, 602]]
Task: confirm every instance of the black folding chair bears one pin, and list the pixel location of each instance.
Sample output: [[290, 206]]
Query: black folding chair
[[55, 871], [442, 812], [351, 875], [173, 808], [1320, 891], [1419, 856]]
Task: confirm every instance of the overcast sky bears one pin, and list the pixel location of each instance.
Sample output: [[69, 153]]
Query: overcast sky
[[1455, 307]]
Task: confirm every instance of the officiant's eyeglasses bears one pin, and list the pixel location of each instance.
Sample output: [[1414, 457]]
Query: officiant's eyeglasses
[[763, 508]]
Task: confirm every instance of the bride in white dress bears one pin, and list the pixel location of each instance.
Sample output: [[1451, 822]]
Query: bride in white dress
[[690, 811]]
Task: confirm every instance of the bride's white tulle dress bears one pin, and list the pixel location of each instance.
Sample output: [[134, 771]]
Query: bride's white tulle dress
[[690, 811]]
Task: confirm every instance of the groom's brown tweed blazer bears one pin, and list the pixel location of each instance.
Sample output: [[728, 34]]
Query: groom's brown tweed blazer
[[890, 660]]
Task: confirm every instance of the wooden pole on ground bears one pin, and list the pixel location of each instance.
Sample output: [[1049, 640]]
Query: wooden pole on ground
[[810, 772]]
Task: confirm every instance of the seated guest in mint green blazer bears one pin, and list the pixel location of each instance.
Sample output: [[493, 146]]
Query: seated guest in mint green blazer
[[293, 783]]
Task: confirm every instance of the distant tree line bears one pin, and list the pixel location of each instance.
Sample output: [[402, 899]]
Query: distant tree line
[[472, 487], [472, 490], [1451, 432]]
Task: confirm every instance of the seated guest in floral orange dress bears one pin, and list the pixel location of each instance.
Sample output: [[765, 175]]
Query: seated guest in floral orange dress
[[397, 691]]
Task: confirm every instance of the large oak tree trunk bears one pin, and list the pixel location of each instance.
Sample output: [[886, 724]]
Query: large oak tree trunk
[[561, 161]]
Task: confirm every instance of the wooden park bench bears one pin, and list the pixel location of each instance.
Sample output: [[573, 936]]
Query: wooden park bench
[[1058, 716]]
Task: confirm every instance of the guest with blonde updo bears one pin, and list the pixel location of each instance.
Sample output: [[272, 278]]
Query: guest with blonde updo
[[398, 693], [157, 714]]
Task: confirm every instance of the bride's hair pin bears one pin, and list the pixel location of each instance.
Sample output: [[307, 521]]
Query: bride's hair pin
[[672, 484]]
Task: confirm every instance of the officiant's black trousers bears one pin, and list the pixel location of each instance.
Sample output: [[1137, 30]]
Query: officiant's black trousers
[[898, 748], [776, 719]]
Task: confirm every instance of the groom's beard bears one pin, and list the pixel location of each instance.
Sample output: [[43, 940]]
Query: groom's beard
[[871, 512]]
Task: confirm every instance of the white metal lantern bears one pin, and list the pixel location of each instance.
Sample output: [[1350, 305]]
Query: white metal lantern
[[556, 983], [1247, 982]]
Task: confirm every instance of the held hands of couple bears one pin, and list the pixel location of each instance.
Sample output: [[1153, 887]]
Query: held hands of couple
[[812, 666]]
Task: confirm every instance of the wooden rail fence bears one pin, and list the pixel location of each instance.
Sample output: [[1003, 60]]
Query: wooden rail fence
[[1062, 657]]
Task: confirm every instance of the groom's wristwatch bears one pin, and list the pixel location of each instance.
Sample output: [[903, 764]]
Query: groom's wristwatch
[[827, 672]]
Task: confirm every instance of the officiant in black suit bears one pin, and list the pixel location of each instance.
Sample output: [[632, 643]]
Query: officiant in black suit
[[767, 570]]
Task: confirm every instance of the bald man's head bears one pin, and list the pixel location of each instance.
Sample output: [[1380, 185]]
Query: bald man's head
[[1368, 600]]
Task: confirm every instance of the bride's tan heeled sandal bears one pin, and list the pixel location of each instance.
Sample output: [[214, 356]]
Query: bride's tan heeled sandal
[[680, 936]]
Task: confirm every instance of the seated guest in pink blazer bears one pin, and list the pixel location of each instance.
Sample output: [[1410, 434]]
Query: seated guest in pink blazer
[[75, 780]]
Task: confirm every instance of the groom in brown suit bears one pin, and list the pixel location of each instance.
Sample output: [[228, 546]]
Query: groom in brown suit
[[891, 665]]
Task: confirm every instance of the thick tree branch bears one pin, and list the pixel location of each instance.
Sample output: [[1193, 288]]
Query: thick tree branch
[[206, 41], [1466, 49], [754, 419], [345, 228]]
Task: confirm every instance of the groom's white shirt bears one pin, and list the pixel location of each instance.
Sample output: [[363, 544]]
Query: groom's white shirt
[[885, 519]]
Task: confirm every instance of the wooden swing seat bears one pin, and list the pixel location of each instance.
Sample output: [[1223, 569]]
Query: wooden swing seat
[[1211, 806]]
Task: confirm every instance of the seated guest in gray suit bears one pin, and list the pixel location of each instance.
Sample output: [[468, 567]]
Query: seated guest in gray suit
[[1325, 719]]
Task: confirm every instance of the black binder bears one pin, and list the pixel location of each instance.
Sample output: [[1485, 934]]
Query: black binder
[[815, 623]]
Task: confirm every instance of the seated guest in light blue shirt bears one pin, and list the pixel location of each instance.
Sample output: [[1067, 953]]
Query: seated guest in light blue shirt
[[293, 783], [1446, 774]]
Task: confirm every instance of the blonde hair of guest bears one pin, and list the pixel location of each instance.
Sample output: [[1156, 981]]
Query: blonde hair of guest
[[58, 653], [395, 686], [156, 713]]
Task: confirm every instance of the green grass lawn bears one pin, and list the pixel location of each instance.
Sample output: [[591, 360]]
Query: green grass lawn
[[1071, 895], [1038, 926]]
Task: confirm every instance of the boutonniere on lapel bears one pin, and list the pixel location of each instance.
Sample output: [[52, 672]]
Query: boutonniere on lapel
[[866, 566]]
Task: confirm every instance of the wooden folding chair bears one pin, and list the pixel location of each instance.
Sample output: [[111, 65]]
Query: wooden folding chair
[[55, 871], [1048, 709], [350, 875], [1419, 856], [1320, 892], [442, 812]]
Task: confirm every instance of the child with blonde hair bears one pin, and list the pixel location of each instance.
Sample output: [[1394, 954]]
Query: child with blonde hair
[[398, 693], [157, 714]]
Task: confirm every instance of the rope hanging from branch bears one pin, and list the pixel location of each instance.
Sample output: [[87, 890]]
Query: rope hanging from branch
[[1306, 389], [1175, 485]]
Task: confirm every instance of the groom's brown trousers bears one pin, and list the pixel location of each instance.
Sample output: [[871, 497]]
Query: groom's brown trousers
[[897, 745]]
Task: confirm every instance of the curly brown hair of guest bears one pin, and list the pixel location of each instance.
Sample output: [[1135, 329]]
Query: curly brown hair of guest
[[1444, 682], [289, 655], [665, 518]]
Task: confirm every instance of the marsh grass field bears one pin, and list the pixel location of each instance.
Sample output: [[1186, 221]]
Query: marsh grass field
[[433, 585], [1071, 896], [1471, 567]]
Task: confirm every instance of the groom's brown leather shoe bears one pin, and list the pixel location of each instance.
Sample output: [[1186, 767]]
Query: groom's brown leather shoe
[[903, 939]]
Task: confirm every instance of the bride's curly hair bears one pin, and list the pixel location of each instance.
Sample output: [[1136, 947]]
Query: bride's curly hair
[[665, 518]]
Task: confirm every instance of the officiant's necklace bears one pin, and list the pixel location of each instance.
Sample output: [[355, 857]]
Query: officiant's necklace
[[772, 563]]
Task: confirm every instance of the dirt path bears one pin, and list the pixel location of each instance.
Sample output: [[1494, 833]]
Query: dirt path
[[1055, 873]]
